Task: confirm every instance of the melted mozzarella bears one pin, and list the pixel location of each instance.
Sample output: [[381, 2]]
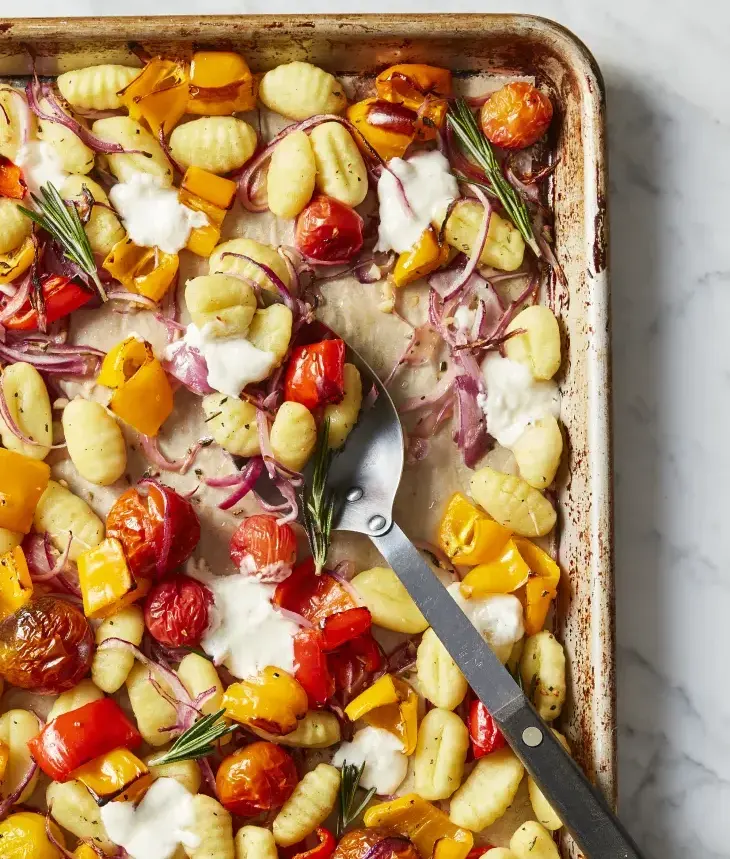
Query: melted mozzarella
[[497, 617], [382, 754], [514, 398], [246, 633], [156, 827], [154, 216], [429, 187], [40, 164]]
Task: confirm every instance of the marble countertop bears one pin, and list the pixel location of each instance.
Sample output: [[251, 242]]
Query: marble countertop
[[665, 66]]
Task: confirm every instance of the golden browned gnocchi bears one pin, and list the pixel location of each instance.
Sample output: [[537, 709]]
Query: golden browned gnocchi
[[539, 344], [17, 727], [537, 452], [292, 173], [488, 790], [217, 144], [544, 812], [82, 694], [293, 435], [73, 155], [343, 415], [14, 226], [532, 841], [111, 666], [542, 668], [73, 807], [221, 304], [271, 329], [213, 830], [317, 730], [132, 136], [94, 441], [443, 741], [15, 120], [198, 675], [504, 248], [512, 502], [186, 773], [224, 259], [341, 171], [311, 802], [29, 406], [152, 712], [439, 677], [232, 423], [299, 90], [389, 602], [255, 842], [63, 514], [96, 87], [103, 229]]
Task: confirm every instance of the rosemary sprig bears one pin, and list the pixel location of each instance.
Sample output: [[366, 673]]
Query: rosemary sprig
[[479, 149], [349, 784], [319, 503], [197, 742], [63, 223]]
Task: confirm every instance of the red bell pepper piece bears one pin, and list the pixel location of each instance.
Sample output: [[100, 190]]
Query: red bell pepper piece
[[339, 628], [357, 658], [315, 374], [483, 730], [311, 595], [324, 849], [310, 667], [77, 737], [12, 183], [61, 295]]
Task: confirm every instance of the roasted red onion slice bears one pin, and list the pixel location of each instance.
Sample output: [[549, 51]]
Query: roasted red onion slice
[[250, 473], [472, 437], [188, 366], [155, 456], [18, 300]]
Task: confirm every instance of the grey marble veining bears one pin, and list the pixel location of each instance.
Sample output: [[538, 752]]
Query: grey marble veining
[[665, 66]]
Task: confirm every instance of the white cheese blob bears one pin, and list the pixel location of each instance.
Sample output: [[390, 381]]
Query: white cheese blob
[[246, 633], [156, 827], [40, 164], [429, 187], [514, 398], [497, 617], [232, 362], [154, 216], [382, 754]]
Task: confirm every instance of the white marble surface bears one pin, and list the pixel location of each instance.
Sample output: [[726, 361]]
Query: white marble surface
[[665, 65]]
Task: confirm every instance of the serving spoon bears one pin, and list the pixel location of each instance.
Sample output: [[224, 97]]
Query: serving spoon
[[364, 479]]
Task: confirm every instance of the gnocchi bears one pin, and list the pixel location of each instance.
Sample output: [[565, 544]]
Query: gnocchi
[[222, 304], [538, 451], [389, 602], [232, 423], [94, 441], [103, 229], [132, 136], [217, 144], [17, 727], [311, 802], [186, 773], [96, 87], [73, 807], [341, 171], [343, 415], [488, 791], [152, 712], [292, 175], [533, 841], [198, 675], [213, 830], [110, 668], [544, 812], [504, 248], [14, 226], [293, 435], [317, 730], [8, 541], [30, 408], [221, 263], [14, 115], [271, 329], [255, 842], [542, 668], [443, 741], [299, 90], [63, 514], [83, 693], [512, 502], [539, 345], [439, 677], [72, 154]]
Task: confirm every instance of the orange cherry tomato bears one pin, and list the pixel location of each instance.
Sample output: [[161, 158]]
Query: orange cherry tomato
[[257, 778], [516, 116], [261, 538], [328, 231], [12, 183]]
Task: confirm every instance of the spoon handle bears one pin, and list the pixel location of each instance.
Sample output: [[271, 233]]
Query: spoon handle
[[595, 828]]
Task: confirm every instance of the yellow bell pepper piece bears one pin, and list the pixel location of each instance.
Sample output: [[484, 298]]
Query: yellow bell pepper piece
[[16, 586], [503, 575], [16, 262], [386, 142], [158, 95], [382, 692], [106, 583], [23, 836], [542, 585], [424, 257], [213, 196], [216, 190], [272, 701], [412, 84], [391, 704], [123, 360], [22, 482], [118, 776], [467, 535], [220, 83], [146, 271], [85, 851], [145, 400], [4, 758], [428, 827]]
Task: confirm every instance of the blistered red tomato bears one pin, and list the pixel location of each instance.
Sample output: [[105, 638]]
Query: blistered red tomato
[[176, 611], [139, 523], [315, 374], [47, 646], [328, 231], [264, 541], [257, 778], [516, 116], [311, 595]]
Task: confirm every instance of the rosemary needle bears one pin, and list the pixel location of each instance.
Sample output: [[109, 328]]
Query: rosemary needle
[[349, 784], [197, 742], [319, 503]]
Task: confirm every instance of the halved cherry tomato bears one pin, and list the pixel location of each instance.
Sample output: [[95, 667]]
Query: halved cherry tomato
[[354, 661], [328, 231], [310, 667], [61, 295], [483, 731], [516, 116], [257, 778], [261, 538], [311, 595], [339, 628], [176, 611], [323, 850], [12, 183], [315, 374]]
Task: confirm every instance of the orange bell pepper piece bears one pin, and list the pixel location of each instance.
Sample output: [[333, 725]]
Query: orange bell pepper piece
[[158, 95], [272, 701], [213, 196], [220, 83], [503, 575], [22, 482], [16, 262], [467, 535], [422, 88], [16, 586], [388, 128], [106, 582], [541, 587], [117, 776], [424, 257], [146, 271]]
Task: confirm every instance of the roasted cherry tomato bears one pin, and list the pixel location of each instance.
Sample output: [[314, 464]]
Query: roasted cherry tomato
[[47, 646], [315, 374], [328, 231], [359, 843], [352, 664], [257, 778], [339, 628], [61, 295], [323, 850], [483, 731], [176, 611], [516, 116], [310, 667], [311, 595], [12, 183], [138, 522], [476, 852], [264, 541]]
